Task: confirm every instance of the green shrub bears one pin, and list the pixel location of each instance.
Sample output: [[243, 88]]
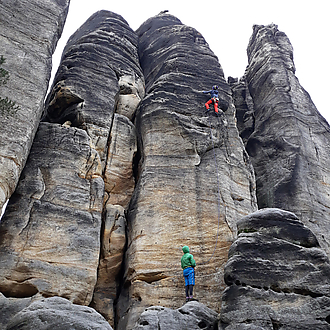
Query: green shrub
[[7, 106]]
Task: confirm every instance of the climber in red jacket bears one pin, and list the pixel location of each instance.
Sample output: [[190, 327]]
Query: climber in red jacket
[[214, 98]]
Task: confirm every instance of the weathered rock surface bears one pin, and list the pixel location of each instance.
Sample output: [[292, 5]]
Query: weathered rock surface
[[290, 143], [112, 252], [278, 276], [182, 150], [9, 307], [97, 88], [99, 75], [65, 231], [244, 107], [50, 233], [29, 34], [118, 175], [192, 315], [57, 313], [99, 68]]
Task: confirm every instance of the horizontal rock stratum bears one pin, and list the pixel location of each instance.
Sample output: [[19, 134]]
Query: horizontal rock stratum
[[126, 167], [276, 277]]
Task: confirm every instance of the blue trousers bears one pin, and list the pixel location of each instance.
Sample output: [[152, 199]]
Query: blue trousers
[[189, 276]]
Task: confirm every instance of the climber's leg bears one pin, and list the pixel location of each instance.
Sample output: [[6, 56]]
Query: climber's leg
[[191, 288], [207, 104], [187, 292], [216, 106]]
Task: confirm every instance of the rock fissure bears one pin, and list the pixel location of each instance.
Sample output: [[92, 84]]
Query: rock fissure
[[315, 147]]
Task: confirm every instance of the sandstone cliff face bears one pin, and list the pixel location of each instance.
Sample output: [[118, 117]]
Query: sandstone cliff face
[[29, 34], [66, 222], [126, 168], [288, 140], [50, 233], [185, 154]]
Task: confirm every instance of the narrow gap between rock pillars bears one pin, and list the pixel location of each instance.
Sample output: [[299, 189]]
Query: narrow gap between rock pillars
[[120, 281], [104, 213]]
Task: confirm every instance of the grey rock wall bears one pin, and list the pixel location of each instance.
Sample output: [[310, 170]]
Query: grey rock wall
[[193, 173], [29, 34], [113, 243], [290, 143], [278, 276], [244, 107], [127, 166], [64, 230], [50, 233], [9, 307], [99, 61]]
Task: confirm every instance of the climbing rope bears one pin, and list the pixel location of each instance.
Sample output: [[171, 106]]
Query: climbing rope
[[219, 197], [218, 194]]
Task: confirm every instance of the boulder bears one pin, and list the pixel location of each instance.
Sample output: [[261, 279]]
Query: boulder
[[249, 308], [276, 279], [50, 233], [9, 307], [192, 315], [279, 224], [290, 143], [194, 176], [30, 31], [57, 313]]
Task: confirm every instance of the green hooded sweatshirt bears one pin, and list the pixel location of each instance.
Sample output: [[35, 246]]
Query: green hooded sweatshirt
[[187, 259]]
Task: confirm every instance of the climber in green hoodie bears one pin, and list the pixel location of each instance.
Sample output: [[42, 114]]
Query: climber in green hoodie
[[188, 264]]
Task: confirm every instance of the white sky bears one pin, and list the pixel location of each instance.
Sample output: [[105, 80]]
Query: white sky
[[227, 27]]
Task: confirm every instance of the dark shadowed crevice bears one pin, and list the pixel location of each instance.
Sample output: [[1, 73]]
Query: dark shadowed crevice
[[327, 319], [120, 280], [136, 165], [202, 324], [183, 312], [276, 324], [20, 290], [63, 105]]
